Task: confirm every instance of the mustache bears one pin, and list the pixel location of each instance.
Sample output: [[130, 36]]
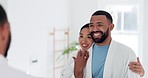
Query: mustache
[[96, 32]]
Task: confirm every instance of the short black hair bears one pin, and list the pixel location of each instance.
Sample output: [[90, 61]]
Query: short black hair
[[101, 12], [85, 26], [3, 16]]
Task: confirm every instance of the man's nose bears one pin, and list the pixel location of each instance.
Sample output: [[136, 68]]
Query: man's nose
[[95, 28]]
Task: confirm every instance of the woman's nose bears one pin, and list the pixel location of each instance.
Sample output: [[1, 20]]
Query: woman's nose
[[84, 40]]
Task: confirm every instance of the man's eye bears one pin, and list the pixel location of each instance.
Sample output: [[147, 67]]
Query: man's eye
[[90, 25], [100, 25]]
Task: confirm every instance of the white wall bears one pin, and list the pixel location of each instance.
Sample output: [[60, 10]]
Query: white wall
[[30, 22], [80, 13], [4, 4], [145, 38]]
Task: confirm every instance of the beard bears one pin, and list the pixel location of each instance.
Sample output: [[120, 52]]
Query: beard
[[102, 38], [8, 45]]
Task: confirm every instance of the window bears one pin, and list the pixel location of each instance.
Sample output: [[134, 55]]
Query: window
[[125, 18]]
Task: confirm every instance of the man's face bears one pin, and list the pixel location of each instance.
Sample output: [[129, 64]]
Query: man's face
[[99, 28], [5, 38]]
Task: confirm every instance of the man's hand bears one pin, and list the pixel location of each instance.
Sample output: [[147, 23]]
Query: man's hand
[[80, 62]]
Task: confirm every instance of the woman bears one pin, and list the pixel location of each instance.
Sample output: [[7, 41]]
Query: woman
[[72, 64], [77, 61]]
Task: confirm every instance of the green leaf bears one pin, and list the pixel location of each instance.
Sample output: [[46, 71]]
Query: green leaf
[[72, 47]]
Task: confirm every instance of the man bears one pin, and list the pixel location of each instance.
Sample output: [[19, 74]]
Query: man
[[113, 57], [5, 39]]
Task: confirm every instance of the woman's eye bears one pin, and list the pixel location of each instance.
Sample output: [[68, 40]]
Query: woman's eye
[[89, 36], [81, 36]]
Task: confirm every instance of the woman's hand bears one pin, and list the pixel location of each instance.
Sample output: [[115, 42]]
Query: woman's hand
[[80, 62], [137, 67]]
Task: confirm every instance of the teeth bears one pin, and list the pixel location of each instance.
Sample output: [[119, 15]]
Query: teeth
[[84, 45], [98, 34]]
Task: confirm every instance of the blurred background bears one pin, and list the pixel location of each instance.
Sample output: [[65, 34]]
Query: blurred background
[[43, 29]]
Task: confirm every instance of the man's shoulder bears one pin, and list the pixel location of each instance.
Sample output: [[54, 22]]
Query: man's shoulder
[[9, 72], [122, 48], [120, 45]]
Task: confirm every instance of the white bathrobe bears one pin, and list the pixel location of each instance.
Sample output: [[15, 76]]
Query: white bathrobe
[[116, 64]]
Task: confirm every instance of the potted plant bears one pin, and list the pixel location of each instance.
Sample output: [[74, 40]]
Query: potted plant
[[72, 47]]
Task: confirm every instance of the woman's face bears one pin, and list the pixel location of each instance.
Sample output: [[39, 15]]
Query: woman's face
[[85, 39]]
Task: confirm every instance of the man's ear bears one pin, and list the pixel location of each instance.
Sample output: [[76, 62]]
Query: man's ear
[[111, 27]]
